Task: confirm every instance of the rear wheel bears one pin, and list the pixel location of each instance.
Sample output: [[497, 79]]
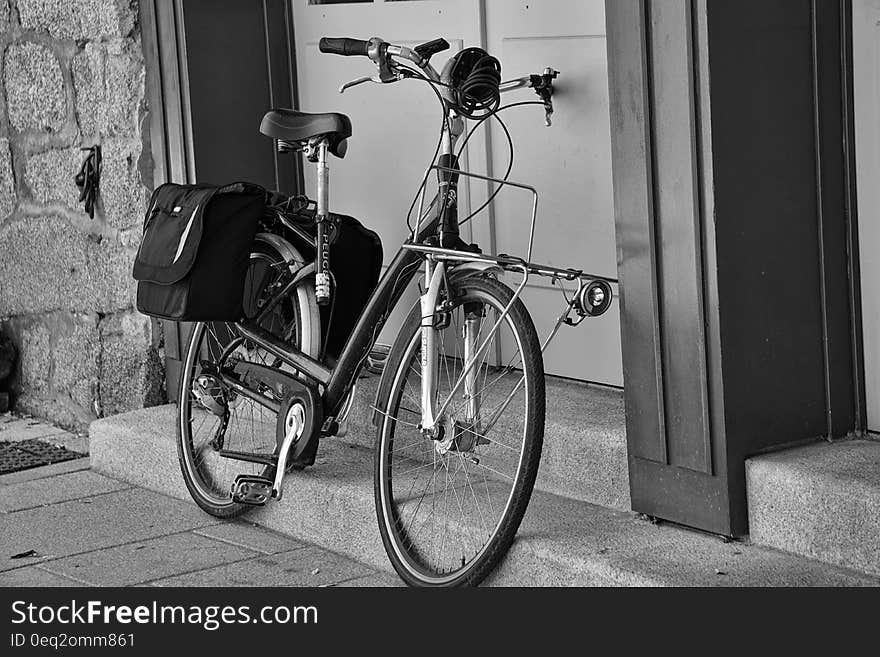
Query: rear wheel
[[449, 505], [213, 417]]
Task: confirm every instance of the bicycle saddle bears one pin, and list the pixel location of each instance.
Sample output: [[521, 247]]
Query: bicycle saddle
[[293, 126]]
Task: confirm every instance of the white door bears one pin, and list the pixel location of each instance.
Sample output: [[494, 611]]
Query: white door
[[395, 130], [866, 74], [569, 163]]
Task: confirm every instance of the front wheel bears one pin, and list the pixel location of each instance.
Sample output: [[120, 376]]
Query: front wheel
[[450, 504]]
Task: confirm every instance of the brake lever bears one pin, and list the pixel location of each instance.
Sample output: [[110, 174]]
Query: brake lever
[[354, 83], [543, 86], [392, 75]]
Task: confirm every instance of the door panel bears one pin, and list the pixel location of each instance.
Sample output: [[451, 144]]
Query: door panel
[[866, 75], [395, 130], [569, 164], [214, 68]]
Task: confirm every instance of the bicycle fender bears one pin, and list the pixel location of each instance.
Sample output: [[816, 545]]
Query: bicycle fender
[[287, 250], [468, 269]]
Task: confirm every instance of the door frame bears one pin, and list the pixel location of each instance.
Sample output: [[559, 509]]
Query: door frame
[[163, 38], [170, 135], [855, 275]]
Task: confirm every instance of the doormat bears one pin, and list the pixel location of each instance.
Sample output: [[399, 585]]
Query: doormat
[[25, 454]]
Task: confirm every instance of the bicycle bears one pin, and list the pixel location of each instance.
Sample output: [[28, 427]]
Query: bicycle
[[459, 430]]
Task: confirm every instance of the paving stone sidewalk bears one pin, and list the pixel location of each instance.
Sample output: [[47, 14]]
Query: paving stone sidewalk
[[64, 525]]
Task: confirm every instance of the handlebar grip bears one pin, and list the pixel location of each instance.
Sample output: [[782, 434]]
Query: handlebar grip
[[344, 46]]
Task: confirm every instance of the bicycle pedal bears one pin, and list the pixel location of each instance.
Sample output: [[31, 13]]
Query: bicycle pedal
[[251, 489]]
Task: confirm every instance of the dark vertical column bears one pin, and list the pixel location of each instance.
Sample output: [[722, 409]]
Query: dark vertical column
[[677, 229], [634, 218], [659, 128], [727, 118]]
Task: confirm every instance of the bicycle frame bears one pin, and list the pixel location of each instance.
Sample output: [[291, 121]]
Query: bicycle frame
[[338, 380]]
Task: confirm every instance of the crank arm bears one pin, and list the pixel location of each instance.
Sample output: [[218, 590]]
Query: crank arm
[[281, 466]]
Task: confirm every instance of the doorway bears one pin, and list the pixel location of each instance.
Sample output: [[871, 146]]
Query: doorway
[[395, 131]]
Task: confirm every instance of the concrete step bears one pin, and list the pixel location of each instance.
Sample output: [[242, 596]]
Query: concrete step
[[821, 501], [584, 455], [561, 542]]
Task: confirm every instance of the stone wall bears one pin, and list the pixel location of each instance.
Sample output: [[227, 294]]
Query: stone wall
[[72, 74]]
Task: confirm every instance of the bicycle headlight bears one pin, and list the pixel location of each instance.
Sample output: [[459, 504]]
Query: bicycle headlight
[[595, 298]]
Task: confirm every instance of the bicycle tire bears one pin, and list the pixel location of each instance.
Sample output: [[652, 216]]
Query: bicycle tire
[[407, 564]]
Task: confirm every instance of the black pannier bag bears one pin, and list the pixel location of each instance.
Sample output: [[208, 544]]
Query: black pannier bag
[[355, 262], [192, 262]]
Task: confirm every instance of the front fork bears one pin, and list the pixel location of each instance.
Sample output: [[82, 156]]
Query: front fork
[[471, 394], [435, 272]]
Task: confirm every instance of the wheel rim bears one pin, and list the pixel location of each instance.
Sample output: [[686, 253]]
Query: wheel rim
[[426, 548]]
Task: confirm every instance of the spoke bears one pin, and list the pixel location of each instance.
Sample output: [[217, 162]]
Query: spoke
[[461, 515], [418, 506], [418, 467], [494, 442], [445, 512], [425, 449], [396, 419], [486, 467], [488, 494], [473, 493]]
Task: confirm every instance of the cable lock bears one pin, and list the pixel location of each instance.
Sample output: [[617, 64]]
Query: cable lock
[[474, 77]]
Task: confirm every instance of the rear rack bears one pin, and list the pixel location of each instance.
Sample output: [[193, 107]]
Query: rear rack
[[506, 262]]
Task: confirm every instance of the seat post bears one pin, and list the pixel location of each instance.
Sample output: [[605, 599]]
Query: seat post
[[322, 277], [323, 180]]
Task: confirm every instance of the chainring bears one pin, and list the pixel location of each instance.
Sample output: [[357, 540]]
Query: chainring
[[306, 403]]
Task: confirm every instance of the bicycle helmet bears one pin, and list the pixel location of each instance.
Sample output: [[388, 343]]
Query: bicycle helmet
[[472, 77]]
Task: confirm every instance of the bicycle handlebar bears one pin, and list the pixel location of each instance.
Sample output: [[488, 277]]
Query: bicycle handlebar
[[381, 53], [344, 46]]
